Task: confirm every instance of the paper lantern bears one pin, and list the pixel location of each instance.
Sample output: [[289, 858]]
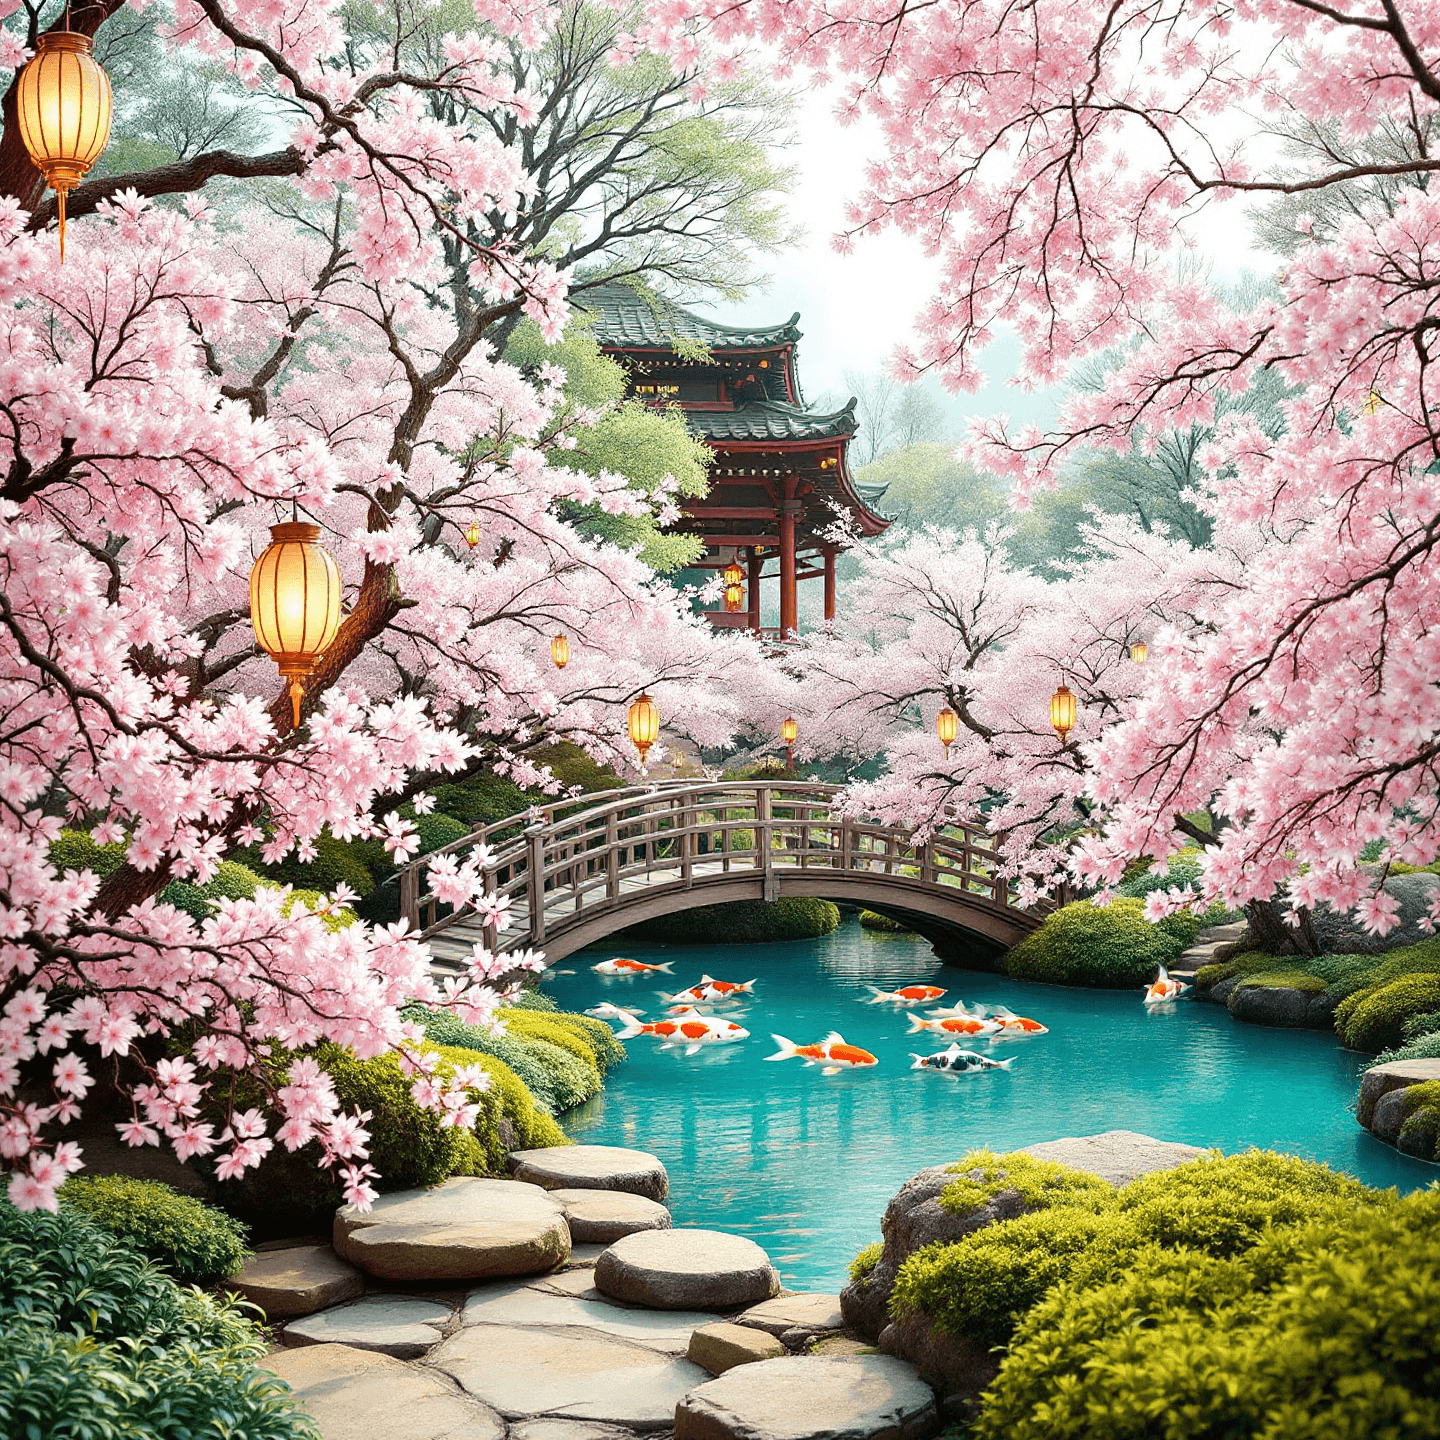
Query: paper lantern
[[734, 599], [789, 729], [560, 651], [295, 602], [472, 534], [1139, 652], [1064, 711], [644, 723], [734, 575], [947, 726], [63, 104]]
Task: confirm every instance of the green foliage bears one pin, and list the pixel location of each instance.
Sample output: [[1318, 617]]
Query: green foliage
[[928, 486], [196, 1243], [1374, 1018], [1320, 1330], [509, 1118], [742, 922], [336, 862], [75, 850], [1084, 944], [231, 881], [1419, 1025], [866, 1260], [871, 920], [1427, 1047], [1039, 1183], [1292, 979], [97, 1344]]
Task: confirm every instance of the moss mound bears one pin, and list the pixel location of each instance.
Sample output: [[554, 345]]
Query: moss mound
[[742, 922], [1375, 1017], [1107, 947], [871, 920]]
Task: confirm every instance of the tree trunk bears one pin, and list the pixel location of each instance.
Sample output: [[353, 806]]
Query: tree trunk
[[1278, 936]]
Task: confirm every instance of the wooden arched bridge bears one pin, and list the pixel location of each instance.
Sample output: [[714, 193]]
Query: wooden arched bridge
[[577, 871]]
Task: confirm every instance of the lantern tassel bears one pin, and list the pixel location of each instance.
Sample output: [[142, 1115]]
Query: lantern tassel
[[297, 694], [60, 196]]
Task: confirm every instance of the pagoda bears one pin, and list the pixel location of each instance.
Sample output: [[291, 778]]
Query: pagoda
[[780, 478]]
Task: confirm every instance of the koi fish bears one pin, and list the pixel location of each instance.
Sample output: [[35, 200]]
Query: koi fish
[[606, 1011], [1013, 1024], [621, 966], [965, 1024], [906, 995], [832, 1054], [1164, 989], [711, 992], [956, 1061], [690, 1029]]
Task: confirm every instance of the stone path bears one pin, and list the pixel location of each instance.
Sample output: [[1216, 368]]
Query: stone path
[[592, 1167], [549, 1352], [1202, 952]]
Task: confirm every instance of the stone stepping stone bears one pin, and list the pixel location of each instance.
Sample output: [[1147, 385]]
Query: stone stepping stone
[[686, 1270], [810, 1397], [391, 1324], [297, 1281], [605, 1216], [592, 1167], [465, 1229], [360, 1395], [567, 1372], [720, 1347], [1118, 1156], [807, 1314], [666, 1331], [1396, 1075], [568, 1430]]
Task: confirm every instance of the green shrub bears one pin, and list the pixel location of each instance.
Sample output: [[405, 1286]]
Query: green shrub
[[1084, 944], [871, 920], [1346, 974], [196, 1243], [866, 1260], [1292, 979], [232, 881], [1321, 1330], [510, 1119], [742, 922], [97, 1344], [537, 1000], [1427, 1047], [1374, 1018], [75, 850], [1420, 1025], [982, 1175], [556, 1030], [336, 862]]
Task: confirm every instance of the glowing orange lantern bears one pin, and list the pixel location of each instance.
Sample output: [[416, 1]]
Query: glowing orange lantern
[[947, 726], [295, 602], [734, 599], [63, 104], [1139, 652], [644, 722], [1064, 711], [472, 534], [789, 729], [734, 575], [560, 651]]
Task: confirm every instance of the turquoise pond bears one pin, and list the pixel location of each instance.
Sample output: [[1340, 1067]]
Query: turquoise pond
[[805, 1163]]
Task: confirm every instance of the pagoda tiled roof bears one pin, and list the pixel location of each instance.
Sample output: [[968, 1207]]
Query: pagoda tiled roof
[[625, 320], [771, 420]]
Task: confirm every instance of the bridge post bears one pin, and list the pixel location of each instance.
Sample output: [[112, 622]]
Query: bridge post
[[535, 882], [764, 855], [687, 841], [410, 895], [927, 862], [612, 858], [847, 843]]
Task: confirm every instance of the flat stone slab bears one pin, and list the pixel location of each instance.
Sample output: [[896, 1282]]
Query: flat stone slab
[[391, 1324], [667, 1331], [720, 1347], [566, 1372], [601, 1217], [810, 1397], [686, 1270], [1118, 1156], [297, 1281], [1395, 1075], [465, 1229], [813, 1313], [359, 1395], [592, 1167], [568, 1430]]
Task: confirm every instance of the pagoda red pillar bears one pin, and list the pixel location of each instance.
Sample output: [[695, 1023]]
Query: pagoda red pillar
[[789, 608], [829, 553], [752, 590]]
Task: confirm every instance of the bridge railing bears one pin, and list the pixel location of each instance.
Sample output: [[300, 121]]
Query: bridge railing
[[578, 855]]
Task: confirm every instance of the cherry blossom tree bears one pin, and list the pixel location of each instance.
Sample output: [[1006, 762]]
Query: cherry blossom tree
[[186, 379], [1053, 155]]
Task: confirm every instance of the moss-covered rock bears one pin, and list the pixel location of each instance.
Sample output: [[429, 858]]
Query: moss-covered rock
[[742, 922], [872, 920], [1374, 1018], [1113, 946]]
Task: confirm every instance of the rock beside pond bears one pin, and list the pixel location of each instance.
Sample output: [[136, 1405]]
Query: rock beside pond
[[1281, 1005], [722, 1346], [592, 1167], [1118, 1156], [1389, 1116], [297, 1281], [1396, 1075], [795, 1318], [958, 1367], [686, 1270], [1341, 933], [391, 1324], [359, 1395], [605, 1216], [810, 1397], [465, 1229]]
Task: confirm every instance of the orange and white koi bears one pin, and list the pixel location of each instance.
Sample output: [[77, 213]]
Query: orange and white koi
[[832, 1054], [1164, 988], [906, 995], [689, 1029], [711, 992], [956, 1024], [1014, 1025], [624, 967]]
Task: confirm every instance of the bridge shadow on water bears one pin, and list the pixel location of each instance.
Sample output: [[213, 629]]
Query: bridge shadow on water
[[805, 1163]]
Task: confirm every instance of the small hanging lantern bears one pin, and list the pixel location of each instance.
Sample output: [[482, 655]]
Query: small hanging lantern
[[295, 602], [1064, 711], [560, 650], [1139, 652], [734, 575], [1373, 401], [734, 599], [472, 534], [947, 726], [789, 729], [63, 104], [644, 723]]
